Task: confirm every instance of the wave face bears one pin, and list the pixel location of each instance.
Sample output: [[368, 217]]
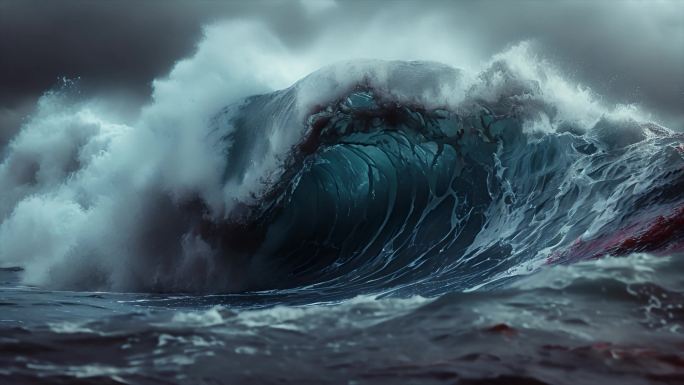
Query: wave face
[[386, 190], [387, 177]]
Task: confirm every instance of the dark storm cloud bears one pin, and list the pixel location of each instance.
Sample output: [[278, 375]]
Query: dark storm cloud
[[110, 43], [113, 46], [626, 51]]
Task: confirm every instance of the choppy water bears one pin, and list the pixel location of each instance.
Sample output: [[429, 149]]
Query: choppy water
[[618, 320]]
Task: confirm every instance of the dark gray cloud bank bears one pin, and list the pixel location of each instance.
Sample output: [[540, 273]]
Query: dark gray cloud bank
[[627, 51]]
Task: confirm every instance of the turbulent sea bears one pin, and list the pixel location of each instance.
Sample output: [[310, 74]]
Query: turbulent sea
[[373, 222], [605, 321]]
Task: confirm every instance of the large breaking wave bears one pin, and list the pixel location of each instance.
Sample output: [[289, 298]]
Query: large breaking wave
[[366, 176]]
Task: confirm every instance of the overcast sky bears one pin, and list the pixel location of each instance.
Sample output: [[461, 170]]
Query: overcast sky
[[628, 51]]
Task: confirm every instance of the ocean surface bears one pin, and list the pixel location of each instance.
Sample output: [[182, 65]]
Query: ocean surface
[[373, 222], [616, 320]]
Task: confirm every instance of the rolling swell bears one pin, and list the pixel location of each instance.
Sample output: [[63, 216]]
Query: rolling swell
[[392, 194]]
